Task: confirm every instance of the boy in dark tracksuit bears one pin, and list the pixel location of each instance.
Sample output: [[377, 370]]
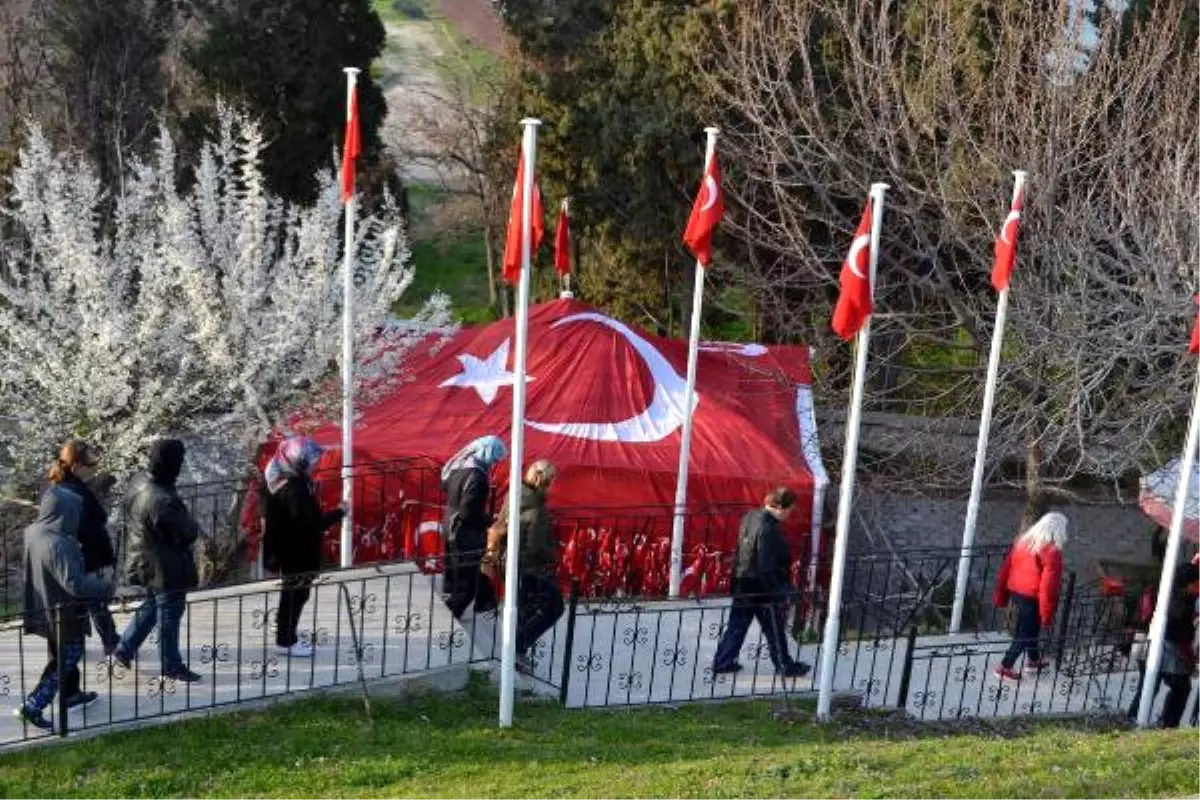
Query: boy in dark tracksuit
[[761, 581]]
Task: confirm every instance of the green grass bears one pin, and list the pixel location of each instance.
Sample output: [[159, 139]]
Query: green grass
[[454, 263], [450, 746]]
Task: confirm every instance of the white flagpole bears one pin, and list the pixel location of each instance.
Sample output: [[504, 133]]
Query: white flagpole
[[565, 290], [985, 427], [686, 445], [1166, 583], [829, 644], [348, 358], [508, 658]]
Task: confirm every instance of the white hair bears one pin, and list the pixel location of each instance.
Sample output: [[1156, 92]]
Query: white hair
[[1051, 529]]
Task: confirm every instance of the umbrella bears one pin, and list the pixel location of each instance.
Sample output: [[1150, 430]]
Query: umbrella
[[1157, 497]]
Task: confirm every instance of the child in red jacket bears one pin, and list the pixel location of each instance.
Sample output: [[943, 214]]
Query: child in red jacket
[[1030, 577]]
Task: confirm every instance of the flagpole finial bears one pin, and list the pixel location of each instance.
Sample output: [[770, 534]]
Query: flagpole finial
[[534, 121], [712, 130], [1020, 174], [879, 187], [351, 71]]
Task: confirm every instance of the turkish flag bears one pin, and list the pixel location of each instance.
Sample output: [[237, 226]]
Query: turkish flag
[[1006, 244], [706, 214], [854, 303], [512, 248], [351, 147], [1194, 347], [562, 242]]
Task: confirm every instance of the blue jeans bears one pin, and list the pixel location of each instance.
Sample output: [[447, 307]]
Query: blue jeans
[[47, 687], [1029, 625], [165, 608]]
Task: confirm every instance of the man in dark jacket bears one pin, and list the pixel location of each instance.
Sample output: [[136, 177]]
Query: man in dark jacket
[[159, 537], [760, 585], [57, 592], [1178, 656], [539, 600]]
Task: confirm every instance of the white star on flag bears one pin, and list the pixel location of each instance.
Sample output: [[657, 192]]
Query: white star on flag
[[484, 375]]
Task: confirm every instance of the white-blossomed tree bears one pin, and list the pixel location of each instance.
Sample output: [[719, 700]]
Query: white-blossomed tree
[[212, 311]]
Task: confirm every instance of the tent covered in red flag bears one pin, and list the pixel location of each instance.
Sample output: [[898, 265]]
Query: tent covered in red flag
[[606, 404]]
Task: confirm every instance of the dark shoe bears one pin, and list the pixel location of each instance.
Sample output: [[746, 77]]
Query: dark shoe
[[182, 674], [34, 718], [728, 669], [82, 700], [118, 659], [796, 669]]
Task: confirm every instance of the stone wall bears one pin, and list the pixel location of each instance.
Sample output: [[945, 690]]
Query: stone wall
[[1108, 530]]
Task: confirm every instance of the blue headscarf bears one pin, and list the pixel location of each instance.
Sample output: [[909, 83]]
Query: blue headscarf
[[482, 454], [295, 458]]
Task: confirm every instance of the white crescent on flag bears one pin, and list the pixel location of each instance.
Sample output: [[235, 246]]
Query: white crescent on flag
[[860, 243]]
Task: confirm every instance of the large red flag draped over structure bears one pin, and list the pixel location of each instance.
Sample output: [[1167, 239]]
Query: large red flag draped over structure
[[351, 148], [562, 242], [854, 303], [512, 247], [1006, 244], [707, 211]]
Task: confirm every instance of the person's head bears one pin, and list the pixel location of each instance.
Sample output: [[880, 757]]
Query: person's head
[[296, 457], [1050, 530], [482, 453], [780, 502], [59, 511], [76, 458], [540, 475], [166, 461]]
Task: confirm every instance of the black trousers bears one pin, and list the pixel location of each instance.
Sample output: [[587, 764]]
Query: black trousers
[[771, 619], [71, 677], [463, 583], [539, 605], [1179, 689], [294, 594]]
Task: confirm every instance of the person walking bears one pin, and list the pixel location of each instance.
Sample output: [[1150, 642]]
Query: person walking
[[539, 600], [160, 534], [1178, 649], [58, 593], [760, 586], [466, 482], [73, 470], [294, 527], [1030, 578]]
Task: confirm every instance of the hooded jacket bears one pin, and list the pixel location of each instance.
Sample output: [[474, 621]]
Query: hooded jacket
[[159, 530], [539, 546], [56, 582]]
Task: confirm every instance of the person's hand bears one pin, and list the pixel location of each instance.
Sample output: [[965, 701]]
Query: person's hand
[[1196, 558]]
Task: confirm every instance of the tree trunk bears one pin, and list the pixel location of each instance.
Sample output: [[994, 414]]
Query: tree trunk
[[1036, 500], [490, 255]]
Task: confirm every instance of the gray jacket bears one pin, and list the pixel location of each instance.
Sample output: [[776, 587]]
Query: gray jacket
[[763, 562], [55, 578]]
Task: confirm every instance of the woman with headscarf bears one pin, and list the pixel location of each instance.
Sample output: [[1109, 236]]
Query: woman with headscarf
[[467, 485], [294, 526], [1030, 578]]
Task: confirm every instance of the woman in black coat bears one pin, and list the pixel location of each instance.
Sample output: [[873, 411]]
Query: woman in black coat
[[467, 485], [75, 467], [292, 536]]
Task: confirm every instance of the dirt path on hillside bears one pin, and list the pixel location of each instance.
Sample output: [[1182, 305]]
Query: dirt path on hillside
[[412, 85], [477, 21]]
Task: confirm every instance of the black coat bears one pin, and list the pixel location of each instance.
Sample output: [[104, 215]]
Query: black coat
[[763, 563], [93, 527], [467, 519], [159, 537], [294, 528]]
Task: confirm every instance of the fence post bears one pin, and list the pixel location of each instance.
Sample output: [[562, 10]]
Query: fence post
[[60, 656], [906, 672], [569, 647], [1061, 637]]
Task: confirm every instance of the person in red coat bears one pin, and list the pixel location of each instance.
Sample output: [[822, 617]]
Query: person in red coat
[[1030, 578]]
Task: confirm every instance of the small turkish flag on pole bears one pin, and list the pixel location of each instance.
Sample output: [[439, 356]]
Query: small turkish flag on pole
[[707, 211], [1194, 347], [854, 303], [512, 247], [562, 242], [351, 147], [1006, 242]]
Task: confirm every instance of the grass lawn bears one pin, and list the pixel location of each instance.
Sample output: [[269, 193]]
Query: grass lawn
[[450, 746]]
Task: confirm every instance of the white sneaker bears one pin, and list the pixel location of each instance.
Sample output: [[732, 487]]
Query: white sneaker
[[298, 650]]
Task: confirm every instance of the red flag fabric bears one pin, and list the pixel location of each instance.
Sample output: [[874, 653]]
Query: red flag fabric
[[1006, 244], [512, 248], [707, 211], [1194, 347], [351, 148], [854, 303], [562, 242]]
